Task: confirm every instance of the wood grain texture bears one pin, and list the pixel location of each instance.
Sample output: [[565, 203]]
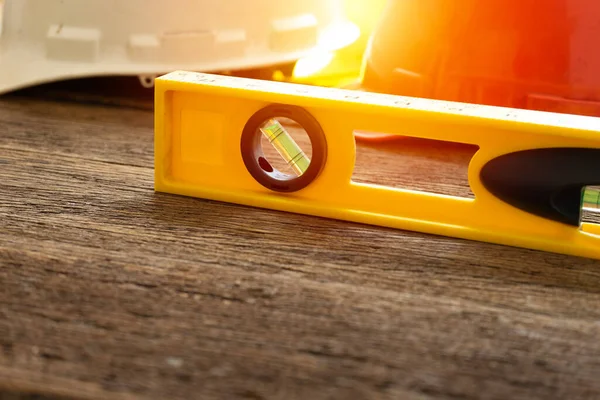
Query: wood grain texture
[[111, 291]]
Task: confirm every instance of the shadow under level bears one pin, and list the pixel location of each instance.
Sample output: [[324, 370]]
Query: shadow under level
[[15, 395]]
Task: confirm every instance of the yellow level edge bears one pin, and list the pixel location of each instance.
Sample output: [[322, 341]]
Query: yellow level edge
[[496, 131]]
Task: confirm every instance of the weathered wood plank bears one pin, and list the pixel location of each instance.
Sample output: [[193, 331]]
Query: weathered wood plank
[[111, 289]]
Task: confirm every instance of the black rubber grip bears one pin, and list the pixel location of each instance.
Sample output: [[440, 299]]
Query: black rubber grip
[[546, 182]]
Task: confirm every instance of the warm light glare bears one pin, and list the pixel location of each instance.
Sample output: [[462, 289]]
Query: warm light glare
[[310, 65], [339, 36], [1, 15]]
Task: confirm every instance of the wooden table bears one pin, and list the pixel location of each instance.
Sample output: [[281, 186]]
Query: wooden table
[[109, 290]]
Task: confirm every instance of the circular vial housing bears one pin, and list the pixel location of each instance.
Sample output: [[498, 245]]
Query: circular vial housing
[[305, 160], [49, 40]]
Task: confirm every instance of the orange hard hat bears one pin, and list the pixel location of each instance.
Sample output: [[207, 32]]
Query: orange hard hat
[[530, 54]]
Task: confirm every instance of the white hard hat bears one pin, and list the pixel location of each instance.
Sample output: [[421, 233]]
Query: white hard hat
[[48, 40]]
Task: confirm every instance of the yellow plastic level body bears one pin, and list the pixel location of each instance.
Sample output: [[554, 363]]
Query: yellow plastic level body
[[201, 118]]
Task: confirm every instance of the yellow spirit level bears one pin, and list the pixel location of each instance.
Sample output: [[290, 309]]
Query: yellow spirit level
[[528, 176]]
